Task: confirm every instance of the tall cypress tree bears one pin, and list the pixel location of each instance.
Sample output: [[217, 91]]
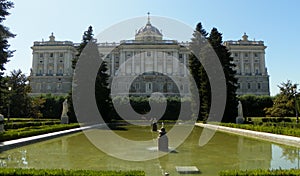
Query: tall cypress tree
[[215, 39], [86, 38], [102, 92], [197, 46], [5, 53]]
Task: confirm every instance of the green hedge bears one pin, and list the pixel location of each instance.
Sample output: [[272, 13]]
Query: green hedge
[[260, 172], [16, 125], [278, 128], [34, 130], [61, 172]]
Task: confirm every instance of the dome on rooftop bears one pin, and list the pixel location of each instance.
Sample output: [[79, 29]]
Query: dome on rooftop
[[148, 32]]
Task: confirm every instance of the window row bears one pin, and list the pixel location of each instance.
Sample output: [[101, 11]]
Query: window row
[[249, 86], [246, 55], [51, 55]]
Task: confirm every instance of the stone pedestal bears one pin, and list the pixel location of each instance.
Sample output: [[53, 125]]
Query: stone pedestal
[[64, 120], [1, 123], [154, 126], [239, 120], [163, 143]]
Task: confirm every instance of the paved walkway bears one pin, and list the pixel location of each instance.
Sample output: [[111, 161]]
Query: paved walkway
[[277, 138], [6, 145]]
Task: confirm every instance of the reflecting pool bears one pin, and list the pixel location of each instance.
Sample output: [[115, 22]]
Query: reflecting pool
[[224, 151]]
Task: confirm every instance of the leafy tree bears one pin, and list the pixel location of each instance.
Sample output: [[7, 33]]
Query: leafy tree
[[5, 53], [52, 106], [17, 97], [215, 39], [37, 104], [284, 102]]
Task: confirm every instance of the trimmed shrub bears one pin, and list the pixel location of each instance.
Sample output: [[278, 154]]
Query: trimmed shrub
[[254, 105], [16, 125], [34, 130], [260, 172], [276, 128]]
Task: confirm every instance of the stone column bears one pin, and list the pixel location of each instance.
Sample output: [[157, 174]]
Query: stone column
[[164, 63], [155, 61], [122, 61], [252, 63], [66, 65], [262, 63], [184, 65], [241, 56], [112, 64], [142, 61], [55, 66], [45, 66], [132, 64], [175, 63], [35, 61]]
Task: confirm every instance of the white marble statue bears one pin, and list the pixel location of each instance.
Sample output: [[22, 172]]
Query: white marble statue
[[64, 115]]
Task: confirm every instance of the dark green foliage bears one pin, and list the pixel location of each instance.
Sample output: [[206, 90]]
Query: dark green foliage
[[215, 39], [260, 172], [34, 130], [52, 107], [253, 105], [86, 38], [17, 98], [201, 49], [102, 93], [5, 53], [284, 102], [141, 105], [62, 172], [275, 120], [16, 125], [71, 111], [197, 70]]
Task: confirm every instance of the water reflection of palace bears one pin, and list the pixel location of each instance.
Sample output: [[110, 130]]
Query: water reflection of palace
[[253, 154]]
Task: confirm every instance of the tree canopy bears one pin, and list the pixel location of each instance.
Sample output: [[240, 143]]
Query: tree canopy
[[284, 102]]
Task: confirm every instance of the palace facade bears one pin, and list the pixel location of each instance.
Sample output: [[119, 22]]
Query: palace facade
[[144, 65]]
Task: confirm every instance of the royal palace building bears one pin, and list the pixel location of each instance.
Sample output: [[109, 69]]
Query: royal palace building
[[144, 65]]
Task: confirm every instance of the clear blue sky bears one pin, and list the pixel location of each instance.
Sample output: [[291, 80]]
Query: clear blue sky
[[274, 21]]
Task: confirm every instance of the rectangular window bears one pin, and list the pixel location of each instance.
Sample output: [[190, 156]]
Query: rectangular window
[[258, 86], [249, 86], [51, 54], [169, 86], [236, 54], [239, 85], [246, 55], [41, 55], [137, 86], [61, 54], [148, 53]]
